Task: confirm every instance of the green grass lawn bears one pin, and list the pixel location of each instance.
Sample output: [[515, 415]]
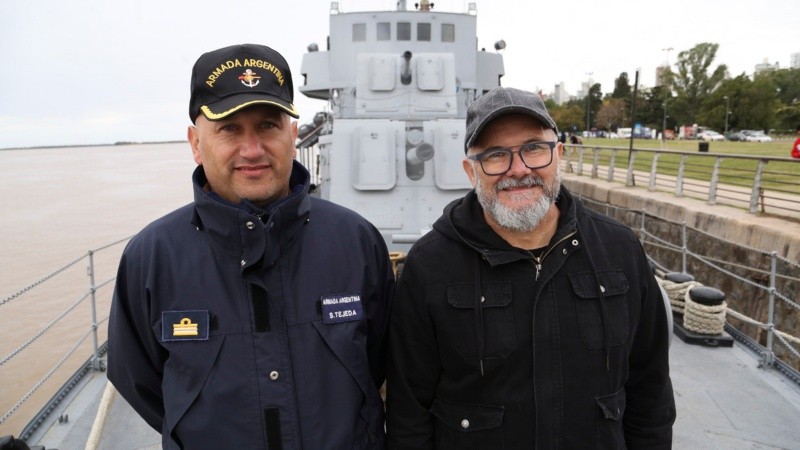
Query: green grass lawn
[[779, 176], [776, 149]]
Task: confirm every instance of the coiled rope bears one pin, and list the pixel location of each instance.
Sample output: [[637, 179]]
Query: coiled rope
[[698, 318], [677, 292], [704, 319]]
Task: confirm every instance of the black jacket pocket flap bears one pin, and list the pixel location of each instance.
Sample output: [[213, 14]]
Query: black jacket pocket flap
[[467, 417], [612, 405], [613, 282], [495, 294]]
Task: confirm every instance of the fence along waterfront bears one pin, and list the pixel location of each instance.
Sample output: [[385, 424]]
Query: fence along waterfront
[[741, 181]]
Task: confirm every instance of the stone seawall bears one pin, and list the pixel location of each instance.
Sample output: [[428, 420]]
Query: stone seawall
[[739, 242], [764, 233]]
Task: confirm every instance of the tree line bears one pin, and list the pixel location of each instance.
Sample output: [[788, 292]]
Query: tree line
[[694, 92]]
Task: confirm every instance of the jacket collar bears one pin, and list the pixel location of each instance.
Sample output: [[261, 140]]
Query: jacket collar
[[463, 221], [232, 227]]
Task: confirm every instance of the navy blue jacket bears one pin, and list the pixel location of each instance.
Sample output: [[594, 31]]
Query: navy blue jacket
[[230, 330], [491, 348]]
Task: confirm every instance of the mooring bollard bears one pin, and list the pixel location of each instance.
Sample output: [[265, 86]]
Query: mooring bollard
[[676, 284], [705, 310], [678, 277]]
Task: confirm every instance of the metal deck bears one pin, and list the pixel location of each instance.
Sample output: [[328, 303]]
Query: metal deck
[[724, 401]]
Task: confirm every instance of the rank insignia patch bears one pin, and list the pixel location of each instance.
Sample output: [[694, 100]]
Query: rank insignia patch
[[184, 325]]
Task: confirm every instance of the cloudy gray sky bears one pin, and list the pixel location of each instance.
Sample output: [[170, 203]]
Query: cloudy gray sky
[[97, 71]]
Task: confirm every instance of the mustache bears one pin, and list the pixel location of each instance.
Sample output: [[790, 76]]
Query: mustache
[[524, 182]]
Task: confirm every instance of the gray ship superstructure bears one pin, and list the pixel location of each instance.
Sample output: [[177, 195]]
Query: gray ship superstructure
[[398, 84]]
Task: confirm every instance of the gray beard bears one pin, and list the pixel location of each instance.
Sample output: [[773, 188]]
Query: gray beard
[[520, 220]]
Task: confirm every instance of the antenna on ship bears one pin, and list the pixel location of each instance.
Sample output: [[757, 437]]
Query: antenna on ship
[[401, 5]]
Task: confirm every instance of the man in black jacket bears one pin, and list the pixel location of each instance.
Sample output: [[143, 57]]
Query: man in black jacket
[[524, 320]]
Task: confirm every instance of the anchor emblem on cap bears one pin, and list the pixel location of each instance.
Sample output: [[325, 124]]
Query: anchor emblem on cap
[[249, 78], [184, 328]]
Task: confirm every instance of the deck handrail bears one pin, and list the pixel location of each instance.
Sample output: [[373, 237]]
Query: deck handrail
[[95, 359], [649, 239]]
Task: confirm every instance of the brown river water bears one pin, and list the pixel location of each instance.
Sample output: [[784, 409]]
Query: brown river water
[[55, 206]]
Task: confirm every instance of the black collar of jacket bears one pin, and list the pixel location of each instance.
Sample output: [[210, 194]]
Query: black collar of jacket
[[463, 221], [231, 227]]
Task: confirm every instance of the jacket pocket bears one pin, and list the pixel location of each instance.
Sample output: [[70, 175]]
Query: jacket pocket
[[589, 310], [467, 426], [186, 373], [609, 420], [498, 319], [348, 343]]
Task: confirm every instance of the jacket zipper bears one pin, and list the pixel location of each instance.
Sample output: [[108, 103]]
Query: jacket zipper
[[540, 259]]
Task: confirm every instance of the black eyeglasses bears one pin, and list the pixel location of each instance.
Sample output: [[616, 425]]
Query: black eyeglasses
[[534, 155]]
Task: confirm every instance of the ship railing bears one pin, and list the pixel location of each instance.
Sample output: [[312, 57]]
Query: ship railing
[[309, 158], [308, 149], [762, 288], [754, 183], [94, 361]]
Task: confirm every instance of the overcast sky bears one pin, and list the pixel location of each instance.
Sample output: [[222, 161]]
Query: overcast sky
[[97, 71]]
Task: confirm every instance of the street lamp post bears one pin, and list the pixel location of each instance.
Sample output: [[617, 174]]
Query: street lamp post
[[588, 108], [633, 113], [666, 93], [727, 113], [587, 114]]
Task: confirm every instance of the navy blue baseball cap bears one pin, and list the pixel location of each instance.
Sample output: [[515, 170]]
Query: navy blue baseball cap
[[226, 80]]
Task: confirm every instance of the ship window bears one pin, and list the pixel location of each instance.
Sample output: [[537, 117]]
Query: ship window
[[448, 32], [384, 31], [359, 32], [423, 32], [403, 31]]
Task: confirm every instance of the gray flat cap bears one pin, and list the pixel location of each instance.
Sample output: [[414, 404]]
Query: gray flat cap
[[499, 102]]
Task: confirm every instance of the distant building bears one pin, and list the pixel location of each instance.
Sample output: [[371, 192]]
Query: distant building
[[560, 95], [661, 75], [765, 67], [795, 61], [542, 95], [585, 86]]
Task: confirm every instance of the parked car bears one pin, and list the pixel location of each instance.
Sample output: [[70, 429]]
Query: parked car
[[737, 136], [755, 136], [710, 135]]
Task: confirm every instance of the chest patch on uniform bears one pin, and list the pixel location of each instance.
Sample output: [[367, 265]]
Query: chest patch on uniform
[[341, 308], [190, 325]]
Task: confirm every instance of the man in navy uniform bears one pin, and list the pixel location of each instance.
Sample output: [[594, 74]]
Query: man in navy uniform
[[255, 316]]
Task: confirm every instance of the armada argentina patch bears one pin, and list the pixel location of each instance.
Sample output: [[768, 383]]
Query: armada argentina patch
[[191, 325], [341, 308]]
